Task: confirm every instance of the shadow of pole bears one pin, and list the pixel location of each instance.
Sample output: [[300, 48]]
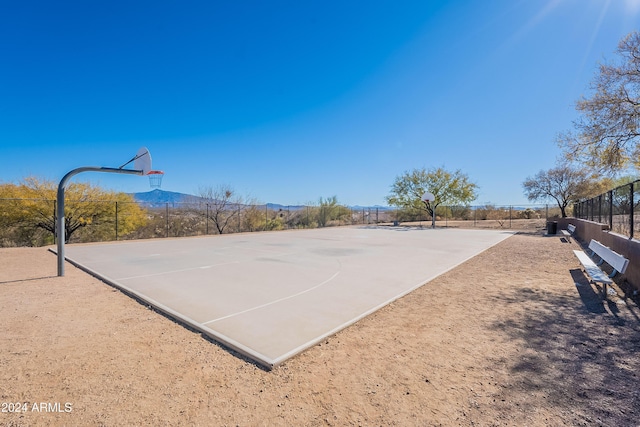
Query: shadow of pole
[[26, 280]]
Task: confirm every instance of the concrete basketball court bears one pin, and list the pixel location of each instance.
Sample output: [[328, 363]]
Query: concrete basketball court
[[271, 295]]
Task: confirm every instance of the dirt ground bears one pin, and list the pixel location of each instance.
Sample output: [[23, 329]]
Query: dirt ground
[[515, 336]]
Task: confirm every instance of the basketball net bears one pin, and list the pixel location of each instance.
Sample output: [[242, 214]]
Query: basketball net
[[155, 179]]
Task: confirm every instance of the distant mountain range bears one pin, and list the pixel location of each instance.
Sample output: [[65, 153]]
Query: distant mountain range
[[161, 197], [157, 198]]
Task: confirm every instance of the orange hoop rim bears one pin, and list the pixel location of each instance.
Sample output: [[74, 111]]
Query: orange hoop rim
[[155, 173]]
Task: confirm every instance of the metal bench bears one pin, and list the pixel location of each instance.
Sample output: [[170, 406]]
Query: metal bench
[[569, 231], [605, 254]]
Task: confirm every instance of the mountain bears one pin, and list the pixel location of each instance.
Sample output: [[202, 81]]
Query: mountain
[[159, 197], [379, 207], [279, 207]]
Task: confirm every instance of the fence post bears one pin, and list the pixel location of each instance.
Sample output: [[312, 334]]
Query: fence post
[[600, 208], [631, 225], [610, 209], [587, 204], [510, 217], [446, 217], [206, 219], [166, 209], [116, 220]]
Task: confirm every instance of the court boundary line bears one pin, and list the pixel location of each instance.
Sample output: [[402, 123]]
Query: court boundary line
[[260, 359], [283, 358], [254, 356]]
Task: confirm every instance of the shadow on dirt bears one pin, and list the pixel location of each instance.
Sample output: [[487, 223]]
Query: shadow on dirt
[[31, 279], [590, 298], [578, 354]]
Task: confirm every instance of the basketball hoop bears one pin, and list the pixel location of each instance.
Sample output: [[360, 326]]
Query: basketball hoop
[[428, 197], [155, 178]]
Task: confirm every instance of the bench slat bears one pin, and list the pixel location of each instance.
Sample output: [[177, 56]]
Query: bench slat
[[569, 232], [592, 269], [614, 259]]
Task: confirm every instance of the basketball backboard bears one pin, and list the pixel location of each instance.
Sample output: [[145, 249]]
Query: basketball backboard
[[428, 197], [142, 160]]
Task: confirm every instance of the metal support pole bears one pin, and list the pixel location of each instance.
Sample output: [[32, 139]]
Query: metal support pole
[[54, 219], [60, 220]]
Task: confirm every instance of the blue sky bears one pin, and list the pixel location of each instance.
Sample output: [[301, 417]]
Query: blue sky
[[290, 101]]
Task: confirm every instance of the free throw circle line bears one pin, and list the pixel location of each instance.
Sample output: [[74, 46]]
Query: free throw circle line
[[274, 302]]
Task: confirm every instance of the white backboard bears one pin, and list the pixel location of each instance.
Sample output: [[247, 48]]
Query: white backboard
[[142, 160], [428, 197]]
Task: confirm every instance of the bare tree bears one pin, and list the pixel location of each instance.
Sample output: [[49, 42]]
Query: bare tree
[[222, 205], [564, 184], [607, 135]]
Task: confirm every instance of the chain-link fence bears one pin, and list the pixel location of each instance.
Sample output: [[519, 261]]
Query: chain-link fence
[[188, 219], [617, 208], [31, 222], [496, 216]]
